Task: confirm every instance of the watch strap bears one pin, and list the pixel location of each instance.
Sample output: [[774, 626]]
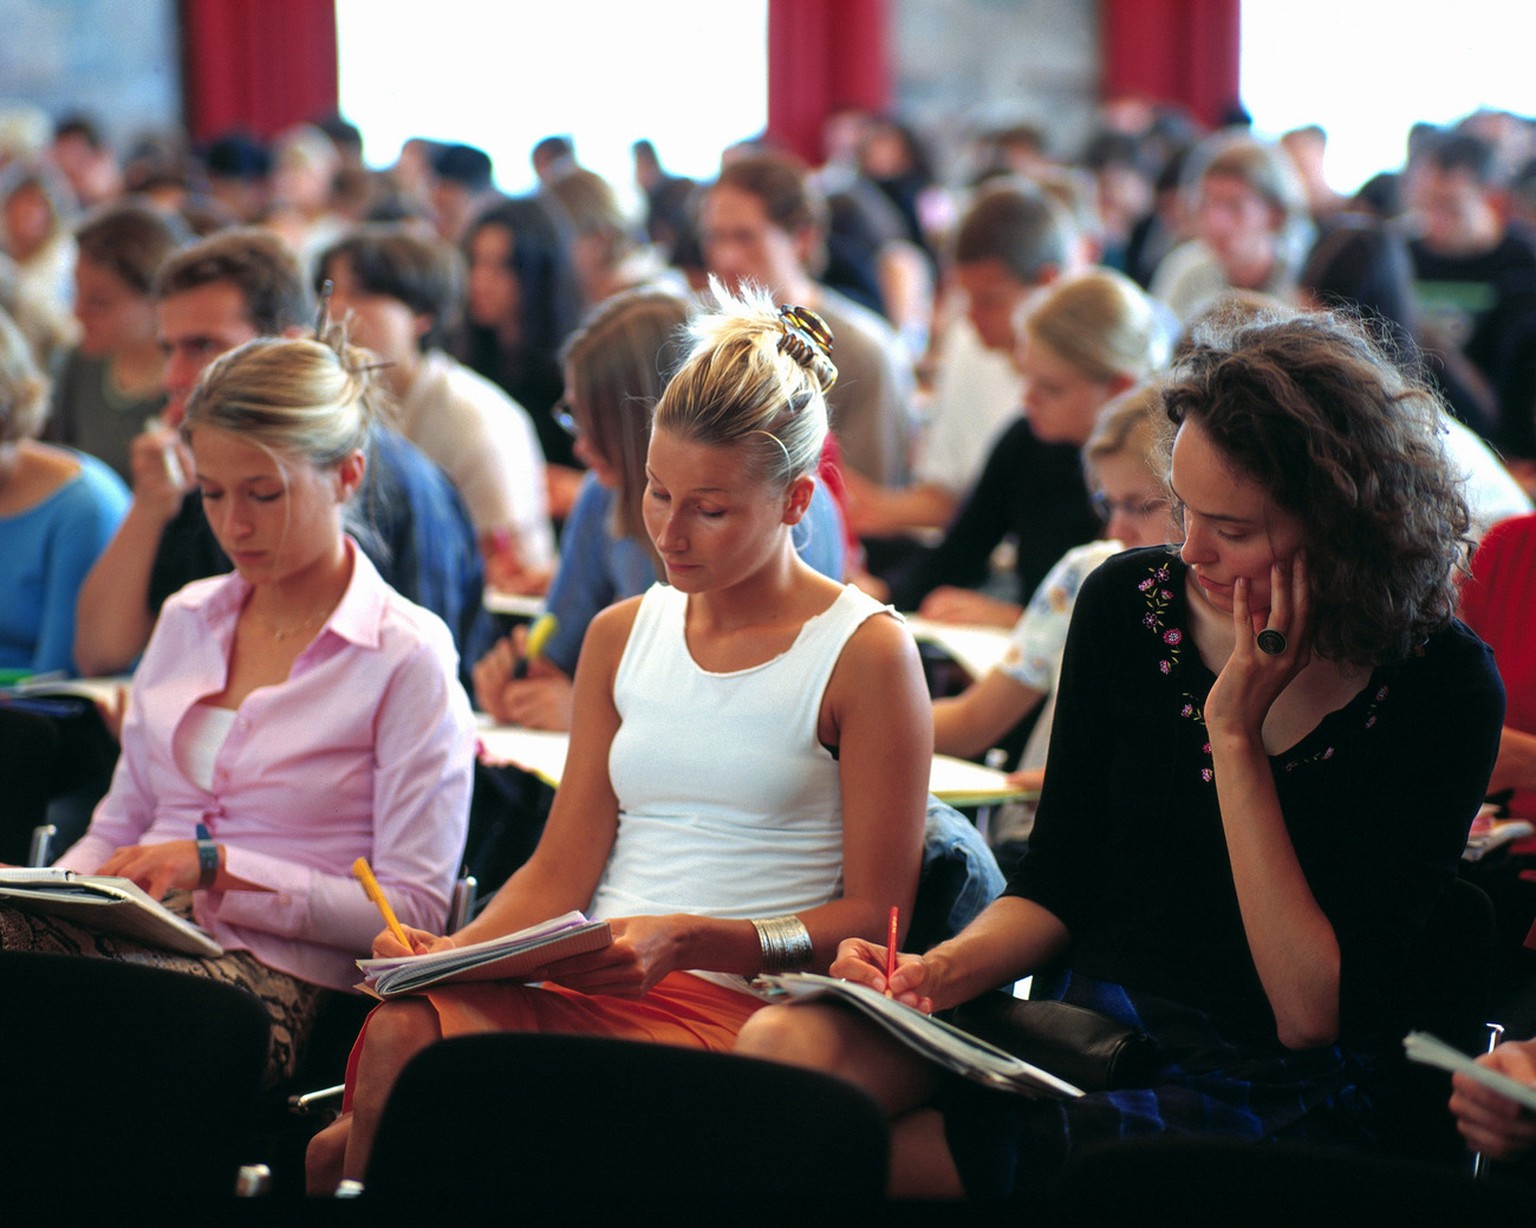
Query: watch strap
[[207, 857]]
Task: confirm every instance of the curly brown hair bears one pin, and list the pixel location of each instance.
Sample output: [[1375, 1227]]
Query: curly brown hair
[[1312, 409]]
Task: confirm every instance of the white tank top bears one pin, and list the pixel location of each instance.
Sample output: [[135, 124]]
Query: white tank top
[[199, 739], [728, 804]]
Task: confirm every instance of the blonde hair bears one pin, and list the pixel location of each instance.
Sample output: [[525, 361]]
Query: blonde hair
[[290, 397], [1129, 425], [23, 390], [744, 386], [1101, 324]]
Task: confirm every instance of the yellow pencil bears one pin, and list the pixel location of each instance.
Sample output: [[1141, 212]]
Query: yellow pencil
[[363, 872]]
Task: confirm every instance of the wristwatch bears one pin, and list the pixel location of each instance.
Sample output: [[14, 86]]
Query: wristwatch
[[207, 857]]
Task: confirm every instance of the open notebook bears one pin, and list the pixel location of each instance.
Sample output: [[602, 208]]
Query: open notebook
[[934, 1039], [105, 904], [508, 958]]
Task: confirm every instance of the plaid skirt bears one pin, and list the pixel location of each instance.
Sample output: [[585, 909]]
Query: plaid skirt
[[1210, 1082]]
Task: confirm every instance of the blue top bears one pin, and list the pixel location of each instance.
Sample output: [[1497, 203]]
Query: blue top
[[597, 569], [47, 551]]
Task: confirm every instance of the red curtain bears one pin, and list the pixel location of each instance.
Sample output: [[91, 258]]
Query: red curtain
[[257, 65], [1181, 51], [823, 56]]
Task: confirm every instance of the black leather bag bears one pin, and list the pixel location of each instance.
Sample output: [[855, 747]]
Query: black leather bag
[[1082, 1046]]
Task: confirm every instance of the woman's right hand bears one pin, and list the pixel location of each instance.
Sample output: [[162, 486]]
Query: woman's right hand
[[423, 942], [491, 674], [968, 608], [539, 700], [1491, 1123], [863, 963]]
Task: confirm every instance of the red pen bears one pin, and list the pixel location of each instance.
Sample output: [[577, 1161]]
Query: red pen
[[890, 951]]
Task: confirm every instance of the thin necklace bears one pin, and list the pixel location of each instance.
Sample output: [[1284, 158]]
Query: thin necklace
[[281, 633]]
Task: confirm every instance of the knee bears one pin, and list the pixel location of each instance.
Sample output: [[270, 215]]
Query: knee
[[797, 1035], [400, 1029]]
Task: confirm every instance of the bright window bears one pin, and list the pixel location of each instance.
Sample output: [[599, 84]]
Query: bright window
[[1368, 70], [691, 75]]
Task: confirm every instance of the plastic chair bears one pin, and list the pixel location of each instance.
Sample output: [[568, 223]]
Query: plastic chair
[[564, 1120], [120, 1080], [1448, 996]]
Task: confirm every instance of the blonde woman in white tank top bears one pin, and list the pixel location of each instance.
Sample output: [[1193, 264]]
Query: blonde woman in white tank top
[[749, 751]]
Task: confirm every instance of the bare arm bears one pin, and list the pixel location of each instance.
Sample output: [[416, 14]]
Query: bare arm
[[968, 607], [1012, 938], [878, 701], [1515, 767], [878, 511], [976, 719], [112, 615], [1293, 944], [564, 870]]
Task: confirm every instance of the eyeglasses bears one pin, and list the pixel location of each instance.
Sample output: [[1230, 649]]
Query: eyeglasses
[[565, 418], [1131, 509]]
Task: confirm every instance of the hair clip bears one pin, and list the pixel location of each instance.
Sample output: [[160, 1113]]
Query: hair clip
[[808, 340], [323, 311]]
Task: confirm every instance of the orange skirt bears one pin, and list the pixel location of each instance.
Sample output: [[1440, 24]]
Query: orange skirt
[[681, 1009]]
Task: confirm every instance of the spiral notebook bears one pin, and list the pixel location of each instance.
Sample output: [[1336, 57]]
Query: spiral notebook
[[511, 957]]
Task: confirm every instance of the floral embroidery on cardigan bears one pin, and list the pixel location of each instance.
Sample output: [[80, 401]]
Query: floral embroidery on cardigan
[[1159, 597]]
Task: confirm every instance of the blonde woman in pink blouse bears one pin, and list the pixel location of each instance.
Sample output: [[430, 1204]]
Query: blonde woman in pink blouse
[[287, 718]]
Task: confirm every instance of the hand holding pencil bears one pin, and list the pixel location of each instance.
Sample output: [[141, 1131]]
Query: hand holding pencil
[[406, 941], [898, 975]]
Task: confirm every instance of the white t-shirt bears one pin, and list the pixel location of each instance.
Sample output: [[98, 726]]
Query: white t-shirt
[[485, 442]]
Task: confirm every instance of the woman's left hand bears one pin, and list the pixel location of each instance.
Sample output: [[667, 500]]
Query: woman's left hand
[[157, 868], [643, 951], [1253, 679]]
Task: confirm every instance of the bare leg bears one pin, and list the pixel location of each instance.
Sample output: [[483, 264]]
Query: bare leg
[[397, 1033], [921, 1166], [325, 1156], [838, 1042]]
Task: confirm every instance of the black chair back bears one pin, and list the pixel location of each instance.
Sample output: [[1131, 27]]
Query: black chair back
[[118, 1080], [569, 1120]]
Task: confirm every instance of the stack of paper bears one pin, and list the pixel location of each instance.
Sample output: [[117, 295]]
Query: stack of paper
[[508, 958]]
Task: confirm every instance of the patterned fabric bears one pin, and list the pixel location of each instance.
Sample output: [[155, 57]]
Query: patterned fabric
[[292, 1004]]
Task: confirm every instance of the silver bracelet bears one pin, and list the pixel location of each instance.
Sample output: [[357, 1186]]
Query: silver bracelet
[[785, 943]]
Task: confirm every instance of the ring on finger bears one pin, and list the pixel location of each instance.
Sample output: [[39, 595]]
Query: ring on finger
[[1271, 642]]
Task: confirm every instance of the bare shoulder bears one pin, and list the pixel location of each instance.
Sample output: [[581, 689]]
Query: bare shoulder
[[880, 658], [609, 632], [882, 638]]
